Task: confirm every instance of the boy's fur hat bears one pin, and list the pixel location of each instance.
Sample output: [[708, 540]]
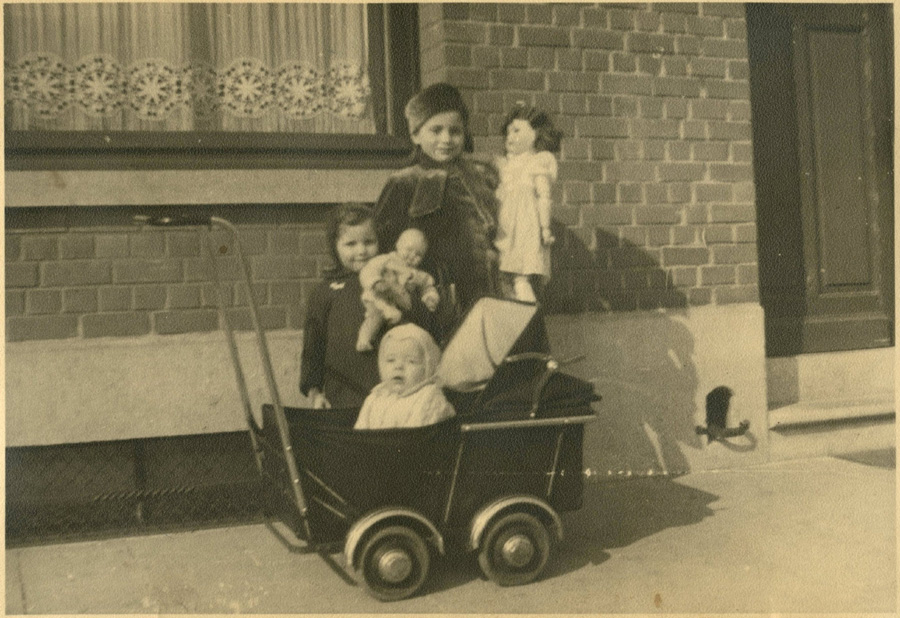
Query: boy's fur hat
[[433, 100]]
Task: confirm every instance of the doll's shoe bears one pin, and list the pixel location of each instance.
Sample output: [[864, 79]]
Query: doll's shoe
[[523, 290]]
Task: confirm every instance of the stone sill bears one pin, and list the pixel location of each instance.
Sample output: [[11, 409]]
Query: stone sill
[[181, 187], [809, 413], [216, 337]]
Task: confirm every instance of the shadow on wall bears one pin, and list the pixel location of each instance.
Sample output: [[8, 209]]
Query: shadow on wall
[[641, 364]]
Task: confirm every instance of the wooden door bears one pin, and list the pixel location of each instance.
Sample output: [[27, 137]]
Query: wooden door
[[821, 81]]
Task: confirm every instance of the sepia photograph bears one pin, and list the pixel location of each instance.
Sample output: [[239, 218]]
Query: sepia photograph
[[449, 308]]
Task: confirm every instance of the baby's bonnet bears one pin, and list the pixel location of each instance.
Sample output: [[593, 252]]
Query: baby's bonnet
[[430, 351]]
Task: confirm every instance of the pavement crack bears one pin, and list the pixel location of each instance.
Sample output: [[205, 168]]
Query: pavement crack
[[23, 597]]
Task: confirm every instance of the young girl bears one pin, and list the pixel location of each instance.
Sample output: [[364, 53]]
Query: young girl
[[407, 395], [527, 174], [332, 372], [450, 198]]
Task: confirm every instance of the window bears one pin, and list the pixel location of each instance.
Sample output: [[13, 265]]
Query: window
[[172, 85]]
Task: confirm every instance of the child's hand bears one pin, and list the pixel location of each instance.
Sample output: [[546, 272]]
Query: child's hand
[[547, 236], [318, 400], [431, 299], [381, 288], [392, 314]]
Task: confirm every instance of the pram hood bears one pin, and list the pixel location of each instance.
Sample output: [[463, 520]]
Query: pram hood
[[492, 330], [477, 379]]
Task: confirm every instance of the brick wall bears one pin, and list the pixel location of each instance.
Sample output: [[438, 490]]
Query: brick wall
[[87, 272], [656, 203], [655, 199]]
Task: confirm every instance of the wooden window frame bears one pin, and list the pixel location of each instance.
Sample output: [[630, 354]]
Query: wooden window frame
[[393, 36]]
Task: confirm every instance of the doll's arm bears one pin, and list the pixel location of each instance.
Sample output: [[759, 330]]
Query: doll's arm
[[420, 279], [424, 283], [377, 291], [372, 271], [430, 297], [544, 202]]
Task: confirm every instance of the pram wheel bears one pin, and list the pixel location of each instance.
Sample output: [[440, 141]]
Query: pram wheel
[[515, 550], [394, 563]]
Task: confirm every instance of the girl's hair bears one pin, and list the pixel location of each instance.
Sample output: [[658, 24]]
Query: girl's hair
[[546, 138], [349, 214]]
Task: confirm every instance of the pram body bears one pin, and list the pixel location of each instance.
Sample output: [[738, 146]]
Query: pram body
[[492, 480]]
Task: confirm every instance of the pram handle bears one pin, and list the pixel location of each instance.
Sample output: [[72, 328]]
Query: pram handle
[[538, 356], [543, 358], [175, 221], [209, 222]]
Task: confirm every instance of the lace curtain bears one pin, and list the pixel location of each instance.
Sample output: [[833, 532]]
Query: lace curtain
[[187, 67]]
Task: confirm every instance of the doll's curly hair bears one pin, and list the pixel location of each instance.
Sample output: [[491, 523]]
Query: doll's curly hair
[[547, 136]]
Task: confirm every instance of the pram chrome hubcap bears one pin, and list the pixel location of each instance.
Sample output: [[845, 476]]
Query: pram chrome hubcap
[[395, 565], [518, 550], [515, 549]]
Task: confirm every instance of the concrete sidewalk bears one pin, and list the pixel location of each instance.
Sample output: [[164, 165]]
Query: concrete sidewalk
[[812, 536]]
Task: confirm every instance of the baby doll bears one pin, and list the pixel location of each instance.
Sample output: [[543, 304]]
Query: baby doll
[[407, 396], [527, 173], [386, 282]]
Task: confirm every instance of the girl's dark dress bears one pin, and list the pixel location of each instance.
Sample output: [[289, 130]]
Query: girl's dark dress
[[330, 361], [454, 206]]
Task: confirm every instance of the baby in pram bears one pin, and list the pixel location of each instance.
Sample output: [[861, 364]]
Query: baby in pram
[[407, 396]]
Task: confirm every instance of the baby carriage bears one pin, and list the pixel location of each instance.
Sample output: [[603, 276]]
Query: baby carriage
[[491, 481]]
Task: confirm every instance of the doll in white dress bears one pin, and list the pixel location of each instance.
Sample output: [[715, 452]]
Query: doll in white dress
[[527, 174]]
